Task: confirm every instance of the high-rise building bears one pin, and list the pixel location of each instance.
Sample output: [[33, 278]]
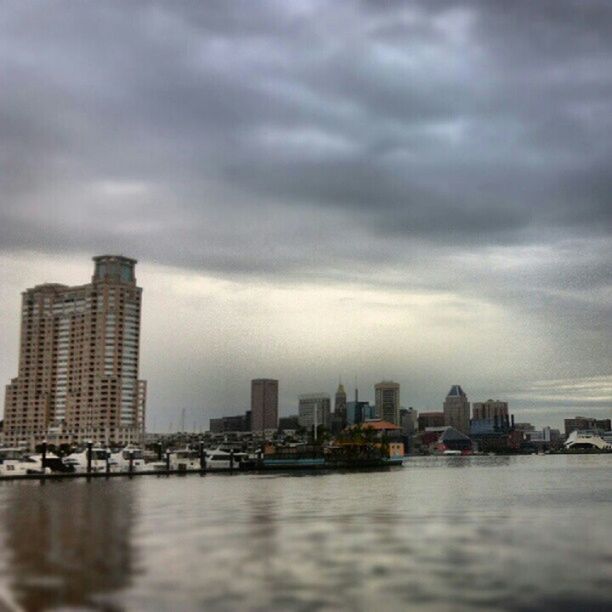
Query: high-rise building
[[264, 404], [314, 408], [340, 404], [489, 410], [78, 361], [457, 410], [358, 412], [387, 401]]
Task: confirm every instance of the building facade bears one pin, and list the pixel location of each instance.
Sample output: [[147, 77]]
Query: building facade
[[314, 407], [340, 405], [226, 424], [457, 410], [490, 409], [264, 404], [581, 423], [387, 401], [79, 362], [427, 420], [357, 412]]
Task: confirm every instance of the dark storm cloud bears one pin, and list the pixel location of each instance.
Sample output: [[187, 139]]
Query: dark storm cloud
[[469, 124]]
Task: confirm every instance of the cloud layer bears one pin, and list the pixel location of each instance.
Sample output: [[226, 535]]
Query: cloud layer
[[459, 152]]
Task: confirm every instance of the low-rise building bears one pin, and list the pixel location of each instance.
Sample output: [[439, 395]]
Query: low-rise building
[[226, 424], [427, 420], [581, 423], [291, 422]]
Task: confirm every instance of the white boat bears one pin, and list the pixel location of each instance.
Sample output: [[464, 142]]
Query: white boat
[[179, 460], [50, 459], [78, 460], [16, 462], [219, 459], [120, 460]]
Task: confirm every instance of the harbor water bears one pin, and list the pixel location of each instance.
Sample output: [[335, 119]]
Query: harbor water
[[442, 533]]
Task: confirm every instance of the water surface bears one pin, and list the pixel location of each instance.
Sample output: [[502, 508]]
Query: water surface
[[480, 533]]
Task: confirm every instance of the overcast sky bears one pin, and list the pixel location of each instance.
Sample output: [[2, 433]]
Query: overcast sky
[[419, 191]]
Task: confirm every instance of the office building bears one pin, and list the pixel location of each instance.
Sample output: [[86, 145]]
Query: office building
[[340, 405], [387, 401], [457, 410], [78, 362], [581, 423], [264, 404], [314, 407], [408, 421], [357, 412], [490, 409]]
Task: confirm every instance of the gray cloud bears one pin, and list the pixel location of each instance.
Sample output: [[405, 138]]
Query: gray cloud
[[324, 142]]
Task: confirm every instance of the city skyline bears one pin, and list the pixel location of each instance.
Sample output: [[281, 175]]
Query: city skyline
[[408, 191], [163, 417]]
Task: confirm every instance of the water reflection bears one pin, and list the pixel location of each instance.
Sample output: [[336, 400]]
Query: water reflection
[[67, 544], [507, 534]]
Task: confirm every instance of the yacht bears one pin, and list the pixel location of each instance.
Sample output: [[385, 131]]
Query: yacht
[[16, 462], [120, 460], [179, 460], [78, 460], [219, 459]]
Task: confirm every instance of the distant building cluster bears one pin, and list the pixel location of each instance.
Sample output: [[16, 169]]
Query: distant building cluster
[[78, 380]]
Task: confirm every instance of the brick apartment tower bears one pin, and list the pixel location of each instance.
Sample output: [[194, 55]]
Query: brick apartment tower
[[264, 404], [78, 362]]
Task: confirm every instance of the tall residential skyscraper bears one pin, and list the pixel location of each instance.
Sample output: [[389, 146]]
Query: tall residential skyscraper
[[264, 404], [457, 410], [387, 394], [78, 361]]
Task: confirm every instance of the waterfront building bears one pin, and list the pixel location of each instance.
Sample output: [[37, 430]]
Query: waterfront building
[[427, 420], [79, 361], [311, 402], [457, 410], [581, 423], [264, 404], [451, 439], [387, 401], [498, 434], [489, 410]]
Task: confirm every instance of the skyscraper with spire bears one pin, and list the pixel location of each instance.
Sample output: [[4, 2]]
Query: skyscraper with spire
[[340, 405]]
